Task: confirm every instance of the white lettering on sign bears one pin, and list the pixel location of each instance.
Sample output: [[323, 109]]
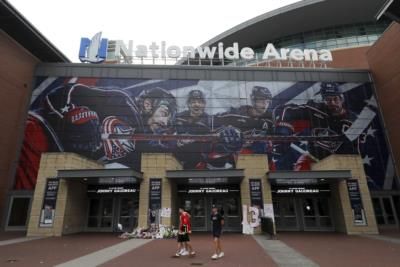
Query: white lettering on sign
[[113, 190], [296, 54], [208, 190], [233, 52], [300, 190]]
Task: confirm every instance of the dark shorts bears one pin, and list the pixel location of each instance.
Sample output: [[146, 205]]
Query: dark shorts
[[183, 238], [217, 232]]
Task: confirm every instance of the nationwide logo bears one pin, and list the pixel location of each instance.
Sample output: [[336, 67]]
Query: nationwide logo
[[94, 50]]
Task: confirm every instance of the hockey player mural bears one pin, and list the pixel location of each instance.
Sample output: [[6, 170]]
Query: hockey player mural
[[76, 117], [206, 124], [254, 120], [194, 121], [328, 117]]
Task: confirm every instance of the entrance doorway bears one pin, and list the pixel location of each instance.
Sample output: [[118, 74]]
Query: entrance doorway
[[385, 212], [306, 213], [106, 212], [18, 213], [199, 206]]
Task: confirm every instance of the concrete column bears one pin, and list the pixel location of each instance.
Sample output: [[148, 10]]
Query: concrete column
[[255, 167], [155, 165], [340, 196], [69, 208]]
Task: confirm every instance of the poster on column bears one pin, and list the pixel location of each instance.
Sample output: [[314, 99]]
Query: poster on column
[[256, 197], [356, 202], [154, 200], [269, 211], [49, 203]]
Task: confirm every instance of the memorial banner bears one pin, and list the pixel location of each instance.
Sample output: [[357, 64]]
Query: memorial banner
[[49, 203], [356, 202], [256, 196]]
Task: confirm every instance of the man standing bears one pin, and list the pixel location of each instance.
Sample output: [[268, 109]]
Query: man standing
[[184, 246], [217, 222]]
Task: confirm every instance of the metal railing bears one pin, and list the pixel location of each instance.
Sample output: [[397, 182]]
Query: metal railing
[[257, 62]]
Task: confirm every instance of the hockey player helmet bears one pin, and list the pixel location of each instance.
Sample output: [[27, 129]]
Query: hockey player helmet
[[156, 97], [150, 100], [259, 92], [330, 89], [196, 94]]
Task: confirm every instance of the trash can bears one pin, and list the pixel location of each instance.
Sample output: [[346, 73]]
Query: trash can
[[267, 226]]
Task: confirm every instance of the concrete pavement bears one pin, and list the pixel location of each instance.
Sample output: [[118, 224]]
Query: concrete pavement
[[290, 249]]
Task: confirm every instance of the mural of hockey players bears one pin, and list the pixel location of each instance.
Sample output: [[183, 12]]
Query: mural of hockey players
[[158, 110], [193, 121], [253, 120], [250, 118], [320, 119], [69, 119], [219, 148]]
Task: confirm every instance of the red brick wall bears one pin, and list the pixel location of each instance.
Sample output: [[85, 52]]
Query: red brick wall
[[384, 61], [350, 58], [15, 86]]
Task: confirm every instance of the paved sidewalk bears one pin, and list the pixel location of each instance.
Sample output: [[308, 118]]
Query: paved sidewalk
[[55, 250], [11, 235], [240, 251], [283, 255], [18, 240], [104, 255], [334, 249], [394, 240], [291, 249]]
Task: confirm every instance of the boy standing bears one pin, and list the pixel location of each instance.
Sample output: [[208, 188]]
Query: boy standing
[[184, 246], [217, 220]]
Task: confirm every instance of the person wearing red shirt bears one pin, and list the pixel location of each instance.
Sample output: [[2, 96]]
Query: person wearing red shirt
[[184, 246]]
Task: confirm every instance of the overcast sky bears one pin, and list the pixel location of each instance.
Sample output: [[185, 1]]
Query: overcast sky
[[177, 22]]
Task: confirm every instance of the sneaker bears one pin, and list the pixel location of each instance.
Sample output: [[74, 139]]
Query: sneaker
[[192, 254], [220, 255], [184, 253], [177, 255], [214, 257]]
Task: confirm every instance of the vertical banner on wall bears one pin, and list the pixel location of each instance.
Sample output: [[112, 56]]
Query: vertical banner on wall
[[154, 200], [49, 203], [356, 202], [256, 197]]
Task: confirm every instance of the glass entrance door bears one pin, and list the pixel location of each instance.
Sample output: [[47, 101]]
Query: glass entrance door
[[199, 208], [196, 206], [101, 214], [303, 214], [286, 218], [384, 211], [229, 207], [316, 213], [127, 214]]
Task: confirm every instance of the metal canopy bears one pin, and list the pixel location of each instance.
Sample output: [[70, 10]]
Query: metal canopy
[[302, 16], [102, 176], [339, 174], [206, 177]]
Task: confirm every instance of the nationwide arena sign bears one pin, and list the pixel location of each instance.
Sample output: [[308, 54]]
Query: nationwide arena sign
[[95, 51]]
